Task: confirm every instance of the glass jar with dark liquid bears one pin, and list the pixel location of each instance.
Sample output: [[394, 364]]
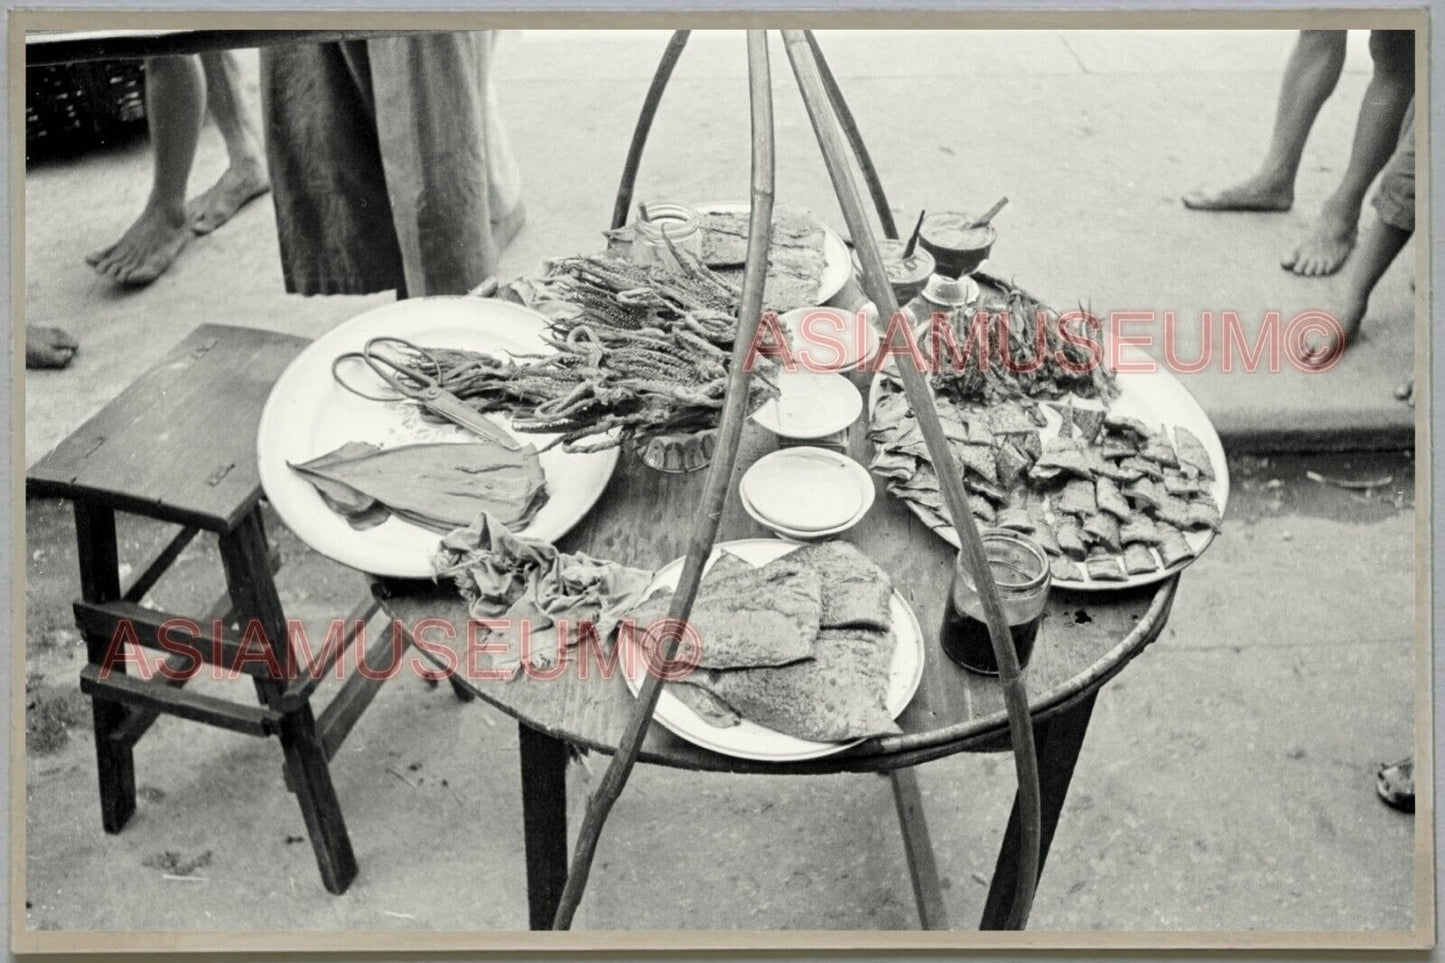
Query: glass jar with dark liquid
[[1021, 570]]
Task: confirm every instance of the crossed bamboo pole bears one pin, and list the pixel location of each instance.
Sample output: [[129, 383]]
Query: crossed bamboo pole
[[825, 106]]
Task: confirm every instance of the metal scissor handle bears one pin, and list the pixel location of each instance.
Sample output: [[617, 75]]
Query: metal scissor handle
[[406, 381]]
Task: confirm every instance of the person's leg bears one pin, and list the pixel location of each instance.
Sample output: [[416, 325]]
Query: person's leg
[[175, 102], [1392, 85], [1395, 206], [504, 178], [48, 347], [1309, 79], [245, 177]]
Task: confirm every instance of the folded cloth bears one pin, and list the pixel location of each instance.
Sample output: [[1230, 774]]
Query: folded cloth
[[531, 583]]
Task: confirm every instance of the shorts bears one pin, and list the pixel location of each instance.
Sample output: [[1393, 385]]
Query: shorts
[[1395, 197]]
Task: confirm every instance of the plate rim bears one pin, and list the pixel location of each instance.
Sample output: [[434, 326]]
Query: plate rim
[[273, 417]]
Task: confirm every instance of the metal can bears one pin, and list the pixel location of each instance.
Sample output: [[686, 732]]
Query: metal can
[[683, 226]]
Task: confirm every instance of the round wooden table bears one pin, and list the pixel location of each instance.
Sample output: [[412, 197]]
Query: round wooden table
[[643, 520]]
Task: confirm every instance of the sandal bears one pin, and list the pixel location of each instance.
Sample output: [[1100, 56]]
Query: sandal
[[1396, 785]]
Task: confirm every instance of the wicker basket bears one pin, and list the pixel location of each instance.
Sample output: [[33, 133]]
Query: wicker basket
[[73, 107]]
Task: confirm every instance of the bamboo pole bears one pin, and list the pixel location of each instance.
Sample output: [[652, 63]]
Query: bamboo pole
[[719, 476], [920, 398], [855, 138], [644, 125]]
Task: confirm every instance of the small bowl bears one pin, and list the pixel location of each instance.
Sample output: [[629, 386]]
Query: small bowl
[[849, 472], [907, 278], [955, 259]]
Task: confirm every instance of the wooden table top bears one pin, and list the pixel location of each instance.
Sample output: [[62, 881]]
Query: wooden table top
[[642, 520]]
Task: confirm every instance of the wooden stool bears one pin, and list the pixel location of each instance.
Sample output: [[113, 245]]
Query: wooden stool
[[179, 445]]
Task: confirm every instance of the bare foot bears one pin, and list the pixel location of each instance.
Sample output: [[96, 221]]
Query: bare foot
[[241, 183], [1324, 353], [48, 347], [1327, 245], [145, 250], [1257, 193]]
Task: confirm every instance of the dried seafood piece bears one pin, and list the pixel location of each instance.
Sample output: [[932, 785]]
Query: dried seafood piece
[[1191, 452], [1142, 491], [1043, 534], [1158, 449], [988, 490], [1203, 513], [1070, 538], [1087, 422], [1062, 455], [1140, 528], [1143, 466], [1118, 447], [1009, 418], [1077, 498], [1116, 424], [1031, 445], [1175, 483], [982, 508], [1118, 472], [1104, 529], [1138, 559], [1011, 463], [1015, 518], [1174, 547], [1064, 570], [1110, 500], [1173, 510], [977, 459], [1105, 568]]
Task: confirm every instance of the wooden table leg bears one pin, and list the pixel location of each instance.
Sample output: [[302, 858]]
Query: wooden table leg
[[918, 847], [100, 582], [544, 822], [1059, 740]]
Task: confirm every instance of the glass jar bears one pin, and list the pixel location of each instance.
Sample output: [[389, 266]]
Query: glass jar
[[683, 225], [1021, 570]]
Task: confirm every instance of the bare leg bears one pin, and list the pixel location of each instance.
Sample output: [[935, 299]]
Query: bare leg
[[1351, 298], [1377, 131], [48, 347], [175, 101], [1309, 79], [504, 178], [245, 178]]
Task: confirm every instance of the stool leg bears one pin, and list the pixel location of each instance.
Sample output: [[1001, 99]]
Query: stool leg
[[100, 582], [248, 576]]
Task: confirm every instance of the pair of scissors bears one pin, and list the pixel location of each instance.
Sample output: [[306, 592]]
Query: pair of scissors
[[418, 385]]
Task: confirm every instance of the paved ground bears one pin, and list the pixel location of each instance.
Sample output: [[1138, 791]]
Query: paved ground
[[1228, 777]]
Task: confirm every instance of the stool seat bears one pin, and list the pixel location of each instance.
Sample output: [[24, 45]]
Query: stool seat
[[180, 443]]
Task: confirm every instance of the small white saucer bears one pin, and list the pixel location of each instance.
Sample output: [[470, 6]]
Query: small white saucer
[[806, 493], [810, 405], [827, 339]]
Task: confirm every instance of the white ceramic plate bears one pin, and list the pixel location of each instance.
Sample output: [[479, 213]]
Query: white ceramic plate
[[308, 414], [810, 405], [852, 472], [748, 740], [1154, 397], [823, 339], [837, 264], [807, 489]]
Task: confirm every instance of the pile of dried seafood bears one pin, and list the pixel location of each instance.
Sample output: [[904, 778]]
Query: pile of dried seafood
[[640, 352], [1068, 364]]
